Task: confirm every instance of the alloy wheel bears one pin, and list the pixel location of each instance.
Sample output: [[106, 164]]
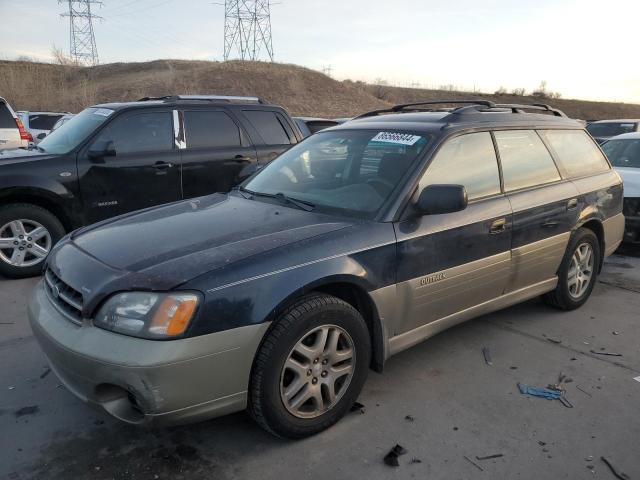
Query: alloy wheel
[[317, 371], [580, 270], [24, 243]]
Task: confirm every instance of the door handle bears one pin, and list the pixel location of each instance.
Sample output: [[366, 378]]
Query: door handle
[[572, 204], [241, 158], [162, 165], [498, 226], [550, 224]]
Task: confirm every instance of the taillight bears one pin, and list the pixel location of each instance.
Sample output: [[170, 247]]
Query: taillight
[[24, 135]]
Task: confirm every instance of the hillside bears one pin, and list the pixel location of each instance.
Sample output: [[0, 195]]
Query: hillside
[[39, 86]]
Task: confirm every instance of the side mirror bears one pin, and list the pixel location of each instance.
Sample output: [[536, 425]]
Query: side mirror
[[439, 199], [102, 149], [41, 136]]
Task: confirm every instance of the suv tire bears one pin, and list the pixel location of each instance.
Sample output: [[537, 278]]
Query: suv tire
[[578, 272], [17, 221], [325, 329]]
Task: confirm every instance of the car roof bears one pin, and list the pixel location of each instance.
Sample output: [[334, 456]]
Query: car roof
[[28, 112], [429, 122], [627, 136], [618, 120], [191, 100]]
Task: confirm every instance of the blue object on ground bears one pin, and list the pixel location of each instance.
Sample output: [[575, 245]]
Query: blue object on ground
[[539, 392]]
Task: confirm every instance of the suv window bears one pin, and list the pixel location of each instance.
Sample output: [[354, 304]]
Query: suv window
[[468, 160], [576, 152], [525, 159], [43, 122], [143, 132], [268, 126], [210, 129], [6, 119]]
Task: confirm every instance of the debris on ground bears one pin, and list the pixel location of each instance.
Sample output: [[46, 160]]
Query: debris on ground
[[409, 418], [489, 457], [614, 470], [415, 460], [45, 373], [539, 392], [513, 367], [11, 387], [473, 463], [589, 458], [554, 340], [391, 458], [30, 410], [487, 356], [615, 333], [584, 391], [606, 353], [358, 406], [541, 443], [637, 379]]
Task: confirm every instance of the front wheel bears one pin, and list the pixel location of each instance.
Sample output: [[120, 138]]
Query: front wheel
[[578, 272], [27, 234], [310, 368]]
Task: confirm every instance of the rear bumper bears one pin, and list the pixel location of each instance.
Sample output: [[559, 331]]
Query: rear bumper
[[144, 381]]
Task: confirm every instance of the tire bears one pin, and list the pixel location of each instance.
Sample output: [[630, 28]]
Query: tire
[[35, 249], [312, 313], [565, 297]]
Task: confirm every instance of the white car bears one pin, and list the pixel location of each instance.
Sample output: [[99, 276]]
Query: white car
[[39, 124], [12, 131], [624, 154]]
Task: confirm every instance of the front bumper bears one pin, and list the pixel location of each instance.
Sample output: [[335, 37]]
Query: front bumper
[[146, 381]]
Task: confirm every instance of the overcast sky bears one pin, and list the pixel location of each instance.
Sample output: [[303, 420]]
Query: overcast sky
[[582, 48]]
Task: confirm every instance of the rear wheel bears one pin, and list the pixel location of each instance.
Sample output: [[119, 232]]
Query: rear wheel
[[578, 272], [310, 368], [27, 234]]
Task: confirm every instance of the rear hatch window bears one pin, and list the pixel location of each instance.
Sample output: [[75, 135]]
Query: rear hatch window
[[6, 119], [43, 122]]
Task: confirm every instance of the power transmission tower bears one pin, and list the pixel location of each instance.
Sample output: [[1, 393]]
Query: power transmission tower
[[247, 28], [82, 41]]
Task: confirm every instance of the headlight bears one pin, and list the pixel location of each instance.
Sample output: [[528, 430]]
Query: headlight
[[147, 314]]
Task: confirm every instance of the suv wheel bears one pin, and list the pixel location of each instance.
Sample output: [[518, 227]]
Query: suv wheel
[[310, 368], [27, 234], [578, 272]]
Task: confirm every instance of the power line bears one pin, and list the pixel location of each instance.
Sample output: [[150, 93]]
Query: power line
[[82, 41], [247, 28]]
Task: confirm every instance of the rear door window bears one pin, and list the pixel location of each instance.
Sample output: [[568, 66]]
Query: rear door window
[[525, 159], [43, 122], [144, 132], [6, 119], [210, 129], [468, 160], [269, 126], [576, 152]]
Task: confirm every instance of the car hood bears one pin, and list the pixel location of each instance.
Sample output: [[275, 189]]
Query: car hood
[[630, 180], [180, 241], [19, 154]]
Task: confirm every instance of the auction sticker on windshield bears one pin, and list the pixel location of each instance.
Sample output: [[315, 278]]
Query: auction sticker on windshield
[[398, 138], [105, 112]]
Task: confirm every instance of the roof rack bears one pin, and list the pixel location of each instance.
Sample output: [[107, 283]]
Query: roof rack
[[205, 98], [469, 106], [409, 107]]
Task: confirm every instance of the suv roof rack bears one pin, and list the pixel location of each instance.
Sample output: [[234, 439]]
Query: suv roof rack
[[469, 106], [206, 98]]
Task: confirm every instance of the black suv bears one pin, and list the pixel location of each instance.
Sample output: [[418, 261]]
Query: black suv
[[114, 158], [355, 244]]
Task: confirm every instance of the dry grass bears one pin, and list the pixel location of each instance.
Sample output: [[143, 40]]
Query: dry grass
[[37, 86]]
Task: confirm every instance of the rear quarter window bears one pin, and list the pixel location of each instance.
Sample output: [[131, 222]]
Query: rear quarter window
[[6, 119], [575, 152], [269, 126], [525, 160]]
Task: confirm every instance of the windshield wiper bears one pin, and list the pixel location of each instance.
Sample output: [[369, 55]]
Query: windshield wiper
[[301, 204]]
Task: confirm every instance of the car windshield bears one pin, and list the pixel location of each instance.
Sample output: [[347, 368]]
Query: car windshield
[[68, 136], [623, 153], [610, 129], [348, 172]]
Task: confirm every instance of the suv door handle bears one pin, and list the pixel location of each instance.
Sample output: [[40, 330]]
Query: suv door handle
[[241, 158], [572, 204], [498, 226], [162, 165]]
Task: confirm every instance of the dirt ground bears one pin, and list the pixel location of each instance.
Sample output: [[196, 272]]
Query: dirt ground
[[439, 400]]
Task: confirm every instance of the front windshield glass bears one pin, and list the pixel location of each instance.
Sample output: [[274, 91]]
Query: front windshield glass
[[623, 153], [610, 129], [68, 136], [350, 172]]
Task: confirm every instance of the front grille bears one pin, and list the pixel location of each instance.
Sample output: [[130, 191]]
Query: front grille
[[67, 299], [631, 207]]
